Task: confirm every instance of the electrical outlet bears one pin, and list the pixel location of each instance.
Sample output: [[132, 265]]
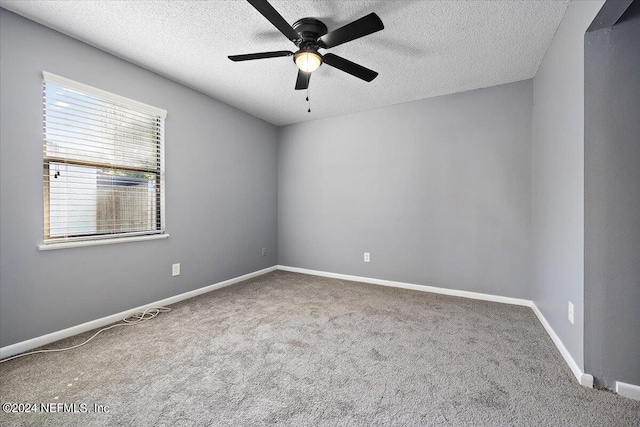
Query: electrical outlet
[[571, 312], [175, 269], [264, 251], [367, 257]]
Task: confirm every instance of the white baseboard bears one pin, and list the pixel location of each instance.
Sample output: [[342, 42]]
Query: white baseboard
[[403, 285], [584, 379], [23, 346], [628, 390]]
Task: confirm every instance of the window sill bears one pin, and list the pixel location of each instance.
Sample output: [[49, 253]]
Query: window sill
[[82, 243]]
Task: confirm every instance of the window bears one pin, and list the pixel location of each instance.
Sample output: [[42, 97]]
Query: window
[[103, 164]]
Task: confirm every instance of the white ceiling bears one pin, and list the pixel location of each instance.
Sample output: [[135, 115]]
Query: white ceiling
[[428, 48]]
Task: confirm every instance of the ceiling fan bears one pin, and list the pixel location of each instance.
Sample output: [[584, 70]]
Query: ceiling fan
[[309, 35]]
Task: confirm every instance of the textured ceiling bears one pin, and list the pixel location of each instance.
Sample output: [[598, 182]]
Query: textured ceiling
[[428, 48]]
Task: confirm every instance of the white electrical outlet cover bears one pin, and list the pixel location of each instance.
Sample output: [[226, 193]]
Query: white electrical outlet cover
[[571, 313]]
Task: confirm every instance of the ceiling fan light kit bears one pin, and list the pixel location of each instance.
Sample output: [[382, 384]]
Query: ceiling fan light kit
[[309, 35], [307, 61]]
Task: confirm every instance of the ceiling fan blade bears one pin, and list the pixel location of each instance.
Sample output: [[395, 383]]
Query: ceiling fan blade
[[302, 81], [364, 26], [275, 18], [261, 55], [349, 67]]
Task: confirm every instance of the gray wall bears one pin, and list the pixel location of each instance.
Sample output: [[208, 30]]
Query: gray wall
[[221, 183], [558, 178], [612, 201], [437, 190]]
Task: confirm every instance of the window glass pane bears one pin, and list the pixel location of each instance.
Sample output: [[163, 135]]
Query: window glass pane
[[72, 194], [77, 128], [86, 200], [126, 201]]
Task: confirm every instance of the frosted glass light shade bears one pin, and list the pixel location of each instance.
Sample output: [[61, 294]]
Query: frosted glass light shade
[[308, 61]]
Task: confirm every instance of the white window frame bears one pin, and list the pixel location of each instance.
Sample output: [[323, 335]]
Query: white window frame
[[102, 239]]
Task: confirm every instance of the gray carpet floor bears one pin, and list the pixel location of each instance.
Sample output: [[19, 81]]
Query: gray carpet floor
[[293, 349]]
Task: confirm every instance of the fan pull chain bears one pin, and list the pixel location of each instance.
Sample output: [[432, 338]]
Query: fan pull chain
[[308, 101]]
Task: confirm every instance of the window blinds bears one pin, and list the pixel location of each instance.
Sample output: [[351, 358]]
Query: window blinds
[[103, 164]]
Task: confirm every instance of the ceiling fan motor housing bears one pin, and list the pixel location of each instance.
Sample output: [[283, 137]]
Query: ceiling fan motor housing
[[310, 30]]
